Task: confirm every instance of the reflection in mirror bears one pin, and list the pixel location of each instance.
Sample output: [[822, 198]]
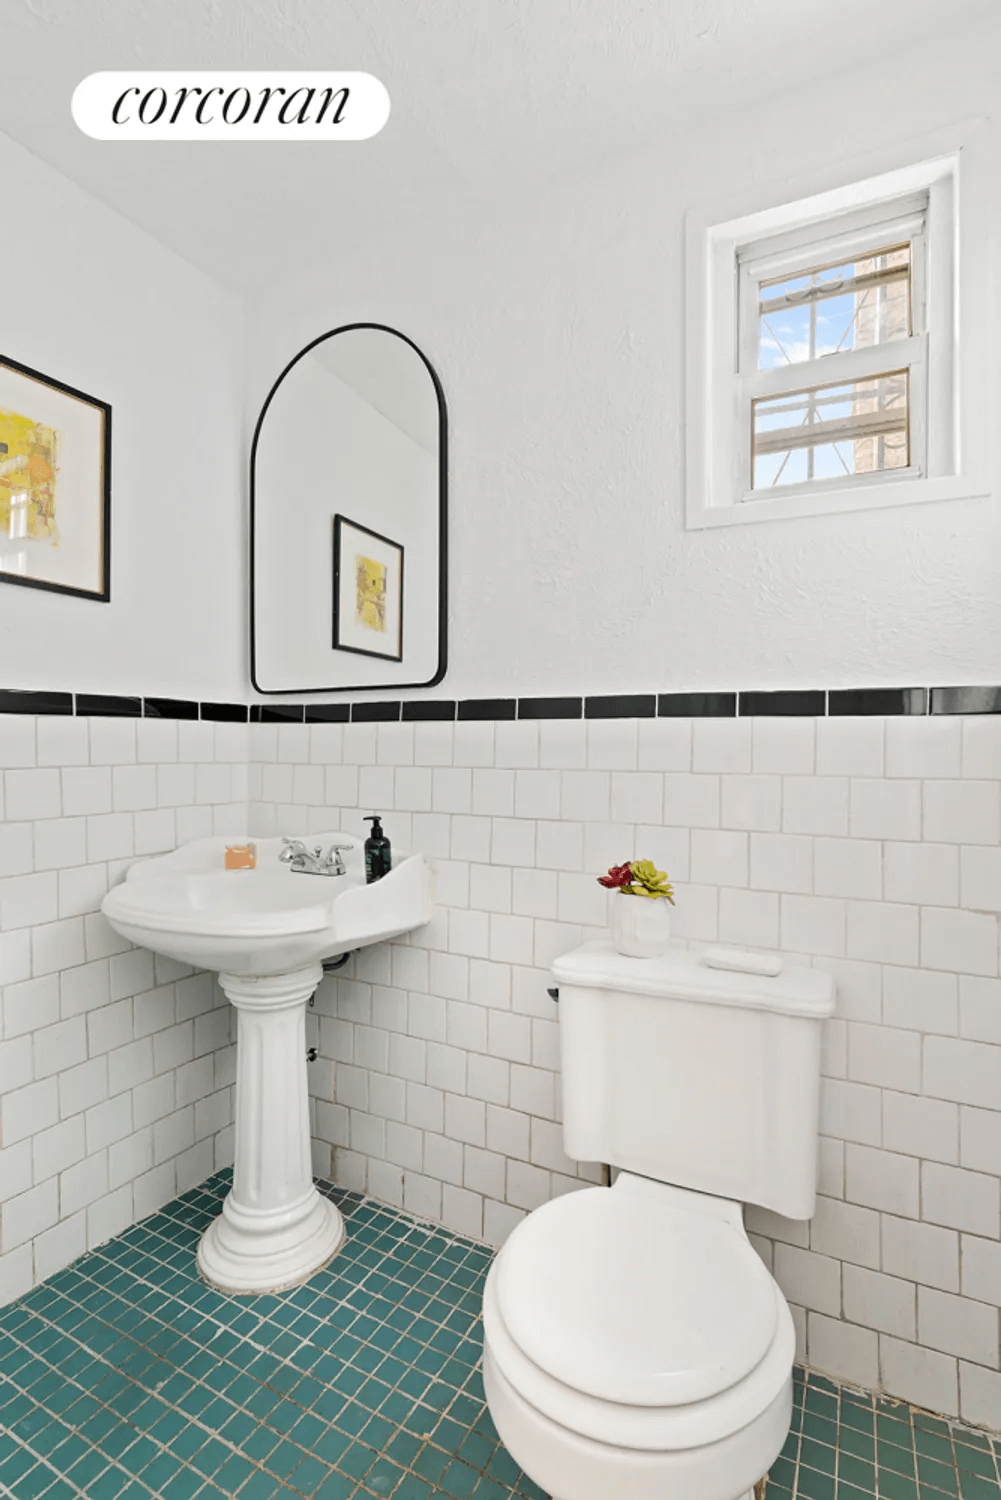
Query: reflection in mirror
[[347, 518]]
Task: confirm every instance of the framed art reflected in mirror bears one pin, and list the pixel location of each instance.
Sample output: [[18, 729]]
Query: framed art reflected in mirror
[[368, 592]]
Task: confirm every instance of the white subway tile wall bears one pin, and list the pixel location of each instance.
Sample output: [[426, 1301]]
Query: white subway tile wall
[[116, 1069], [867, 847]]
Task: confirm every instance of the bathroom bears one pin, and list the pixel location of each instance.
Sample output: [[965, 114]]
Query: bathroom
[[790, 705]]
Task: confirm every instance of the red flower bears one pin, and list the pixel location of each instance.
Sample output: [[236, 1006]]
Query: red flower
[[618, 876]]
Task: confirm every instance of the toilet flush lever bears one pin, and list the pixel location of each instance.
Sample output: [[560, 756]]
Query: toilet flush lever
[[554, 994]]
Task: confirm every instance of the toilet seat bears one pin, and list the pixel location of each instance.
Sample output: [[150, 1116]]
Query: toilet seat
[[625, 1296], [638, 1316]]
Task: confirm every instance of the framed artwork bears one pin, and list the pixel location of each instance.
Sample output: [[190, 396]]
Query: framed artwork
[[55, 485], [368, 591]]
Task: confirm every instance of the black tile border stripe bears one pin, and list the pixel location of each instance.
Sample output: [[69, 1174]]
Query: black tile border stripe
[[21, 701], [487, 708], [225, 713], [417, 711], [621, 706], [550, 708], [697, 705], [328, 713], [965, 700], [800, 703], [108, 705], [375, 713], [754, 703], [890, 701], [171, 708], [277, 713]]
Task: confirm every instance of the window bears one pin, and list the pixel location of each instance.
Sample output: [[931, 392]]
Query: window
[[824, 352]]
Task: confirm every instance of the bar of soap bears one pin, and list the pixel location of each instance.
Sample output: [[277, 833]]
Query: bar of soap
[[241, 856], [741, 962]]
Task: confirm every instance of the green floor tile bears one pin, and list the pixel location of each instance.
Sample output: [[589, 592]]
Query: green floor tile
[[933, 1444], [430, 1464], [900, 1460], [334, 1487], [977, 1486], [940, 1477], [859, 1444], [974, 1460], [847, 1491], [813, 1485], [35, 1481], [857, 1472], [817, 1455], [260, 1486], [309, 1475], [357, 1460], [128, 1374], [891, 1485], [184, 1484], [385, 1477]]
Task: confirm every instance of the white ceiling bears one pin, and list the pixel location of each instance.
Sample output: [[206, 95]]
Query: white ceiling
[[491, 99]]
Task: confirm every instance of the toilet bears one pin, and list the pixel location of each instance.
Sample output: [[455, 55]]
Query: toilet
[[634, 1344]]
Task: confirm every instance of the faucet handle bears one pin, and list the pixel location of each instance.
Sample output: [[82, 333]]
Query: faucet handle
[[291, 849], [332, 858]]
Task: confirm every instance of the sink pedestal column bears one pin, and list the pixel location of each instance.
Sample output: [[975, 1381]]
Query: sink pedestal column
[[275, 1229]]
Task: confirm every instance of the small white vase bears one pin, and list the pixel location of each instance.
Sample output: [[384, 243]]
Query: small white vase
[[641, 925]]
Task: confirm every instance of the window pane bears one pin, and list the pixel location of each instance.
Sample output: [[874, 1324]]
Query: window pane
[[829, 431], [853, 304]]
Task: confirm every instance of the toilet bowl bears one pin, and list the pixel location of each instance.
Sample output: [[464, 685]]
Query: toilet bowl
[[635, 1346]]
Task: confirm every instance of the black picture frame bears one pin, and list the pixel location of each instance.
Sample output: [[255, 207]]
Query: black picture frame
[[341, 581], [102, 594], [442, 538]]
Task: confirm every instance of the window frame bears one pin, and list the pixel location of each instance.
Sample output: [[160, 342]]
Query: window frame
[[760, 261], [946, 351]]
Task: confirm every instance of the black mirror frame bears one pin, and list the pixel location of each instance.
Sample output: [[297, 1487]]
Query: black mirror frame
[[442, 523]]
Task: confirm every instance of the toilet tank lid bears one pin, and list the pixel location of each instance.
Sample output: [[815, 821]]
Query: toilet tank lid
[[680, 975]]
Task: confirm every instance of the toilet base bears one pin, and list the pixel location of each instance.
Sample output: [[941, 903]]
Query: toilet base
[[573, 1467]]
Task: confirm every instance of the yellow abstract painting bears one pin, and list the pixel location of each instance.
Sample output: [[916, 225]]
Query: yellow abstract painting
[[370, 593], [28, 471]]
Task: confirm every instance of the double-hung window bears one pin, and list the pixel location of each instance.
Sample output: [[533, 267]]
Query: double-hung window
[[834, 355], [824, 352]]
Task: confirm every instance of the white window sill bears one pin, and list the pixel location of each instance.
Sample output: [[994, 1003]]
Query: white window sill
[[837, 500]]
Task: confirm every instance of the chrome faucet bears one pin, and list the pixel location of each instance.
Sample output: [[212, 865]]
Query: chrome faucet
[[303, 861]]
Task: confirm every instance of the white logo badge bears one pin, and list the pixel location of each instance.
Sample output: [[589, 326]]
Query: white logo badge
[[230, 106]]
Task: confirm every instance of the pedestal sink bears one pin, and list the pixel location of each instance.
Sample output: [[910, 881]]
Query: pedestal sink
[[266, 932]]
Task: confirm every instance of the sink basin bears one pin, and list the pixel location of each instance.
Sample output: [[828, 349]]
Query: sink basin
[[268, 920], [266, 932]]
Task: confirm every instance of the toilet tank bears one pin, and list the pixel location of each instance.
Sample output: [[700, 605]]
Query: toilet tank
[[703, 1077]]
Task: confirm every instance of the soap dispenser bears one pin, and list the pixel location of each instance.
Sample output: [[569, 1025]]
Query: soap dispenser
[[378, 852]]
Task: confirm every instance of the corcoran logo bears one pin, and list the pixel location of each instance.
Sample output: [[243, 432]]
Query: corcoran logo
[[230, 106]]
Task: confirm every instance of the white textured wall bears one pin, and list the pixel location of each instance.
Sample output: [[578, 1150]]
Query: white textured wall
[[557, 328], [867, 847], [94, 302]]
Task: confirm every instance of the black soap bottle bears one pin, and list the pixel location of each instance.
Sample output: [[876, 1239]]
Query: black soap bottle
[[378, 852]]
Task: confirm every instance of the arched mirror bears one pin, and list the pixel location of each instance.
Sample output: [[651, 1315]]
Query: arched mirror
[[348, 519]]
